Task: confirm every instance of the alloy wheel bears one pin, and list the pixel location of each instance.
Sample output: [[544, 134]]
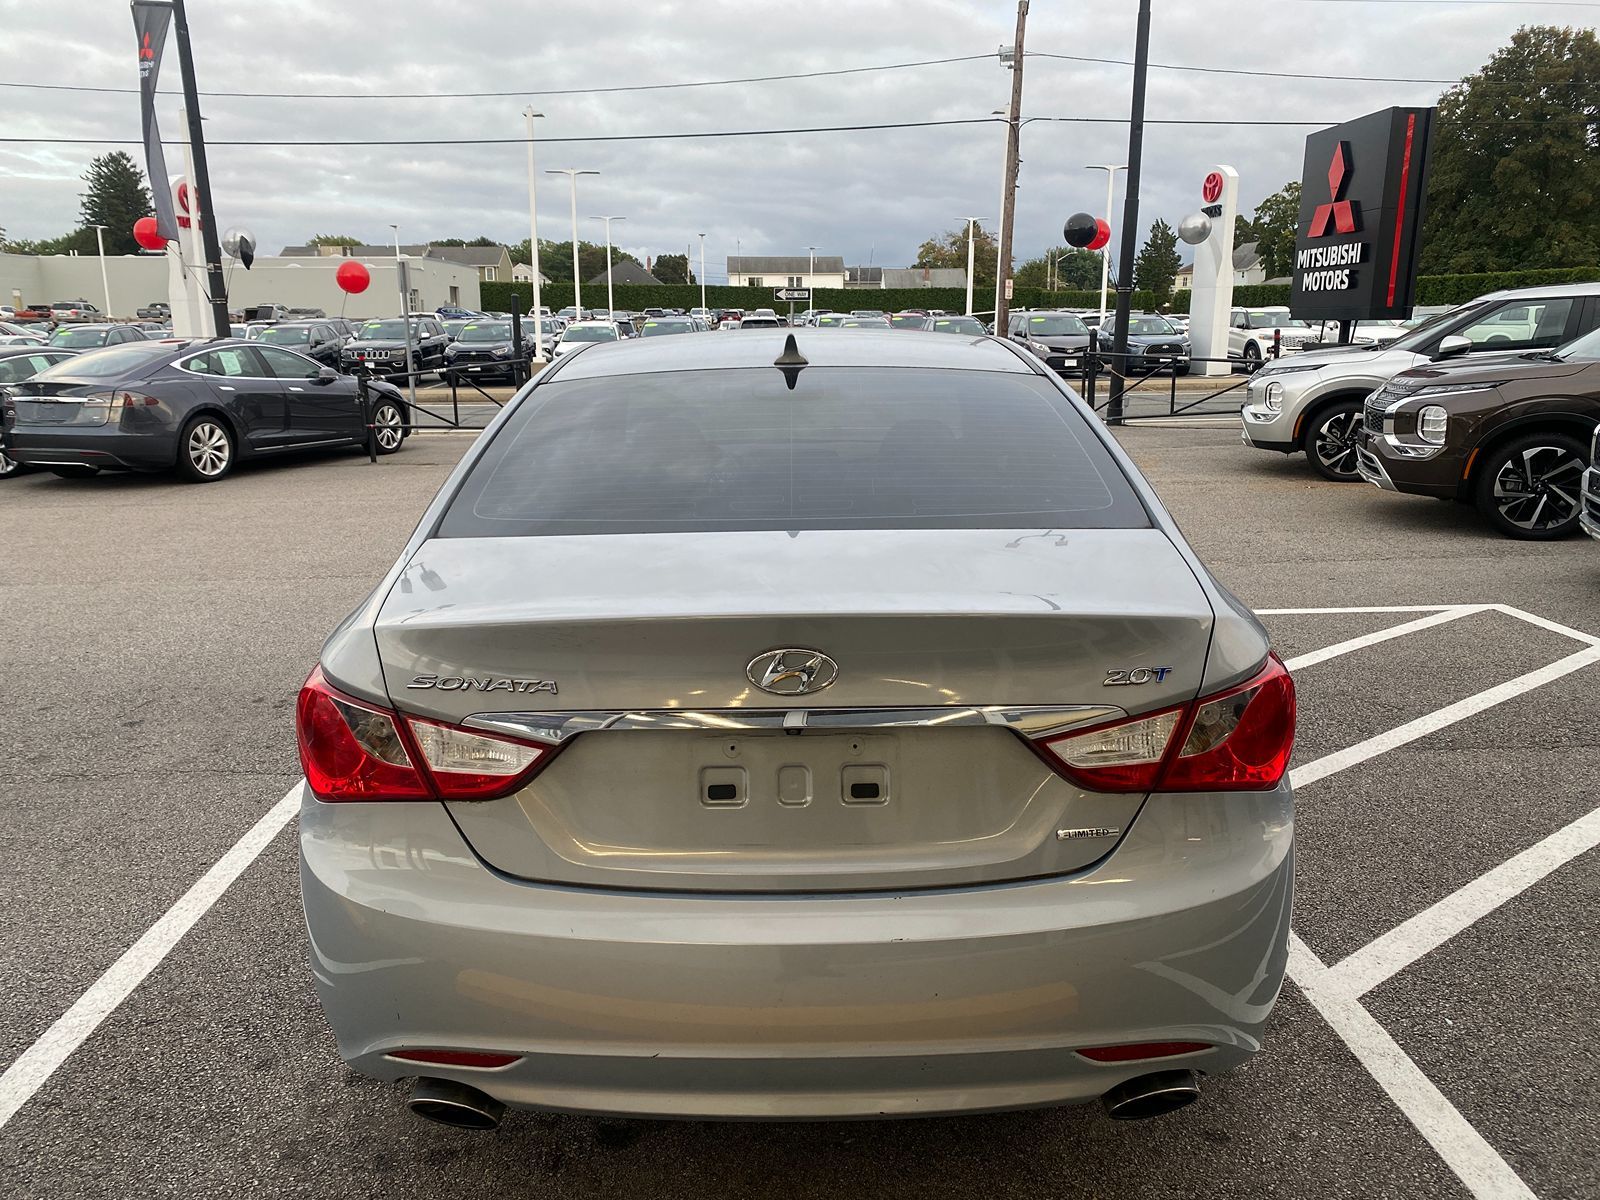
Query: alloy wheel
[[1537, 489], [388, 427], [208, 449], [1335, 443], [8, 466]]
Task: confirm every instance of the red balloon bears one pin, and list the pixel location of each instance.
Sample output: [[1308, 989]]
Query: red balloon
[[147, 235], [1102, 235], [352, 277]]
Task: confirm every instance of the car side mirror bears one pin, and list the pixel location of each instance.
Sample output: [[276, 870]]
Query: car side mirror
[[327, 375], [1452, 346]]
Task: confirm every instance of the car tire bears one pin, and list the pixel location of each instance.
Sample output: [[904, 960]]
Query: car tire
[[1529, 488], [10, 467], [1252, 358], [1180, 370], [207, 449], [389, 426], [74, 472], [1330, 441]]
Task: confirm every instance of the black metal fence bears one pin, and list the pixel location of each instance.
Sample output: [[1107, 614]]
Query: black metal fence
[[1110, 380]]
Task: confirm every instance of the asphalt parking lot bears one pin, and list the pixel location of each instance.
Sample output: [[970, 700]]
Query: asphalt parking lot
[[163, 1037]]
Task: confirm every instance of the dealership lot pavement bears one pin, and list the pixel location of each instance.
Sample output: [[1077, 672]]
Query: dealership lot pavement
[[157, 633]]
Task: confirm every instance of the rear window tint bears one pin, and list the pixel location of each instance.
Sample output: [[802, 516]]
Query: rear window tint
[[848, 448]]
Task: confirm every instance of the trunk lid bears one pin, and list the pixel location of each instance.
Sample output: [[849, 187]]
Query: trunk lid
[[908, 770], [59, 402]]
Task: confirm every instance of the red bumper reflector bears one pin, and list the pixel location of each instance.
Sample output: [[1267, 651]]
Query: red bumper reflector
[[456, 1058], [1140, 1050]]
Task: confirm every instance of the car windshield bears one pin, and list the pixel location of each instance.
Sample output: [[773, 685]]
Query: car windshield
[[907, 321], [385, 331], [1157, 326], [590, 333], [861, 323], [78, 339], [1274, 320], [848, 448], [967, 325], [656, 328], [1055, 325], [486, 331], [285, 336], [830, 319], [1584, 349], [107, 363], [1425, 331]]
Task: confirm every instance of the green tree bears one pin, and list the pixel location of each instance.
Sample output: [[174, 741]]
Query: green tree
[[79, 240], [1157, 264], [555, 259], [672, 268], [1074, 270], [116, 197], [950, 250], [480, 240], [335, 239], [1243, 230], [1276, 220], [1515, 177]]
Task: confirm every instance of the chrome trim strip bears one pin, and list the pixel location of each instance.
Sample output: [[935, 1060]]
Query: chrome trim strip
[[1032, 721]]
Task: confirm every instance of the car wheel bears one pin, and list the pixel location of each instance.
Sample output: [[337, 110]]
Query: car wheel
[[1529, 488], [389, 426], [1252, 358], [205, 450], [1331, 442], [74, 472], [10, 466]]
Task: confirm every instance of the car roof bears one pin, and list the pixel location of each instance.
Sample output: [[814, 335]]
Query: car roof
[[758, 348], [36, 348]]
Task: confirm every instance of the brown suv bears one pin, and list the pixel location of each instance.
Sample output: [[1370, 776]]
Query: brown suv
[[1508, 433]]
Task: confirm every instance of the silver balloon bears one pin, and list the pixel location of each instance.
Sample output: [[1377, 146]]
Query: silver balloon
[[1195, 228], [232, 239]]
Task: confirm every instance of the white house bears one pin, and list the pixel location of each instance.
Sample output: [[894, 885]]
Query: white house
[[1247, 265], [523, 273], [1184, 279], [798, 270]]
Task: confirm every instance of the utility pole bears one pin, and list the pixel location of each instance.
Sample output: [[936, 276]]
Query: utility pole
[[1130, 216], [703, 278], [1008, 198], [200, 185], [533, 245]]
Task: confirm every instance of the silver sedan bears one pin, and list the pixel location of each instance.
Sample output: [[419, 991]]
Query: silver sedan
[[797, 726]]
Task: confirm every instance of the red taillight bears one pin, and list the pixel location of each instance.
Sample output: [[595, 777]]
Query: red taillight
[[1139, 1050], [456, 1058], [353, 750], [1237, 740]]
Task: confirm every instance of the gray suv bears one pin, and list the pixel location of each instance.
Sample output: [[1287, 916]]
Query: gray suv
[[1312, 402]]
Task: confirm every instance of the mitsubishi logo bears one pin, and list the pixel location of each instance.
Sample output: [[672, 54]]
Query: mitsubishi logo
[[1344, 214]]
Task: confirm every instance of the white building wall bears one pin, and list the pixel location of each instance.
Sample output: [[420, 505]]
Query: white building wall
[[137, 280]]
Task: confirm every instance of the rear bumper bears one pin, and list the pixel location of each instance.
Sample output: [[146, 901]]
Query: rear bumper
[[800, 1006], [91, 446]]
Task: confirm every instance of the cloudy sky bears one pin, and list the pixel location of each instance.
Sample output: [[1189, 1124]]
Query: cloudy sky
[[869, 196]]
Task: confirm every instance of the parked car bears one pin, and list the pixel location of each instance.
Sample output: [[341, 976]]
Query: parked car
[[1589, 520], [197, 407], [87, 337], [18, 363], [306, 314], [1313, 401], [485, 350], [910, 319], [379, 348], [454, 312], [831, 320], [661, 326], [729, 314], [156, 310], [582, 333], [1258, 334], [317, 340], [1363, 333], [760, 320], [869, 312], [31, 333], [857, 323], [1509, 433], [703, 314], [74, 310], [1153, 343], [969, 326], [627, 815], [1058, 338]]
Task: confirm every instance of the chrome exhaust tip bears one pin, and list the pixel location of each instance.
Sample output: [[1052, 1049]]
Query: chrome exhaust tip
[[1153, 1095], [455, 1104]]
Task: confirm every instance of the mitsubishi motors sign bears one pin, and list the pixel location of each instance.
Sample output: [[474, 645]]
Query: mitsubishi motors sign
[[1361, 206]]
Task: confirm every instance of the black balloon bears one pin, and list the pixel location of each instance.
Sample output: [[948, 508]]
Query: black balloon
[[1079, 230], [247, 251]]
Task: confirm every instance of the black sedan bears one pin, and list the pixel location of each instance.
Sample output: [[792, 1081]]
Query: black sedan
[[16, 364], [88, 337], [1154, 343], [320, 341], [485, 350], [380, 348], [194, 406]]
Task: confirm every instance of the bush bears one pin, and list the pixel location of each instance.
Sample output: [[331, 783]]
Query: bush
[[1458, 289]]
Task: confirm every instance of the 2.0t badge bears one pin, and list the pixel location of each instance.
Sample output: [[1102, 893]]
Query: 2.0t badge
[[792, 672]]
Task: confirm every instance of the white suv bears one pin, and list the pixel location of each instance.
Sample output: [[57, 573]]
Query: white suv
[[1312, 402], [1253, 332]]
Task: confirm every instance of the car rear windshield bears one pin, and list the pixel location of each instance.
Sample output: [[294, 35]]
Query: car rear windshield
[[107, 363], [77, 339], [285, 335], [1055, 325], [848, 448]]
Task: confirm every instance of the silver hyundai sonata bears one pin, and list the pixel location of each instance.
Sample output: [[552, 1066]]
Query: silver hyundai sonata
[[797, 725]]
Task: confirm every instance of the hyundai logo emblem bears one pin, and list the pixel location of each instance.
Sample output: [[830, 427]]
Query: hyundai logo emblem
[[792, 672]]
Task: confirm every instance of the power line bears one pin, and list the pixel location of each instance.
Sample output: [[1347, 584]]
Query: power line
[[1475, 81], [637, 87]]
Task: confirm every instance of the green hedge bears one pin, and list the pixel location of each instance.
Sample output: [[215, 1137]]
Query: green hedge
[[1431, 289]]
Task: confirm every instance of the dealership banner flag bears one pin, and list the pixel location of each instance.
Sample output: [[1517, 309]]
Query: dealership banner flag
[[150, 23]]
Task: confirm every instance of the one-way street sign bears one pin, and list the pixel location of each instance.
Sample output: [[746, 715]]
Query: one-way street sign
[[791, 294]]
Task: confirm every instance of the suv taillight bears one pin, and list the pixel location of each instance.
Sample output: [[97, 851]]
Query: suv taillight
[[1236, 740], [353, 750]]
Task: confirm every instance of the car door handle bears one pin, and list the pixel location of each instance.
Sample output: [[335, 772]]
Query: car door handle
[[222, 387], [292, 388]]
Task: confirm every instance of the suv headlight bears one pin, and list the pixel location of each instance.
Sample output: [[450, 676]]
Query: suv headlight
[[1432, 422], [1274, 395]]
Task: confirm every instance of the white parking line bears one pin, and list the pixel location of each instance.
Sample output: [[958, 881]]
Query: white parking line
[[39, 1061], [1437, 924], [1401, 735], [1546, 623], [1365, 608], [1464, 1150], [1314, 657]]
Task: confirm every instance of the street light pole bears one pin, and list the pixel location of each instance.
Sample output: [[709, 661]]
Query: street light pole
[[533, 244], [611, 307], [972, 244], [105, 283], [1105, 251], [703, 278], [572, 173]]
